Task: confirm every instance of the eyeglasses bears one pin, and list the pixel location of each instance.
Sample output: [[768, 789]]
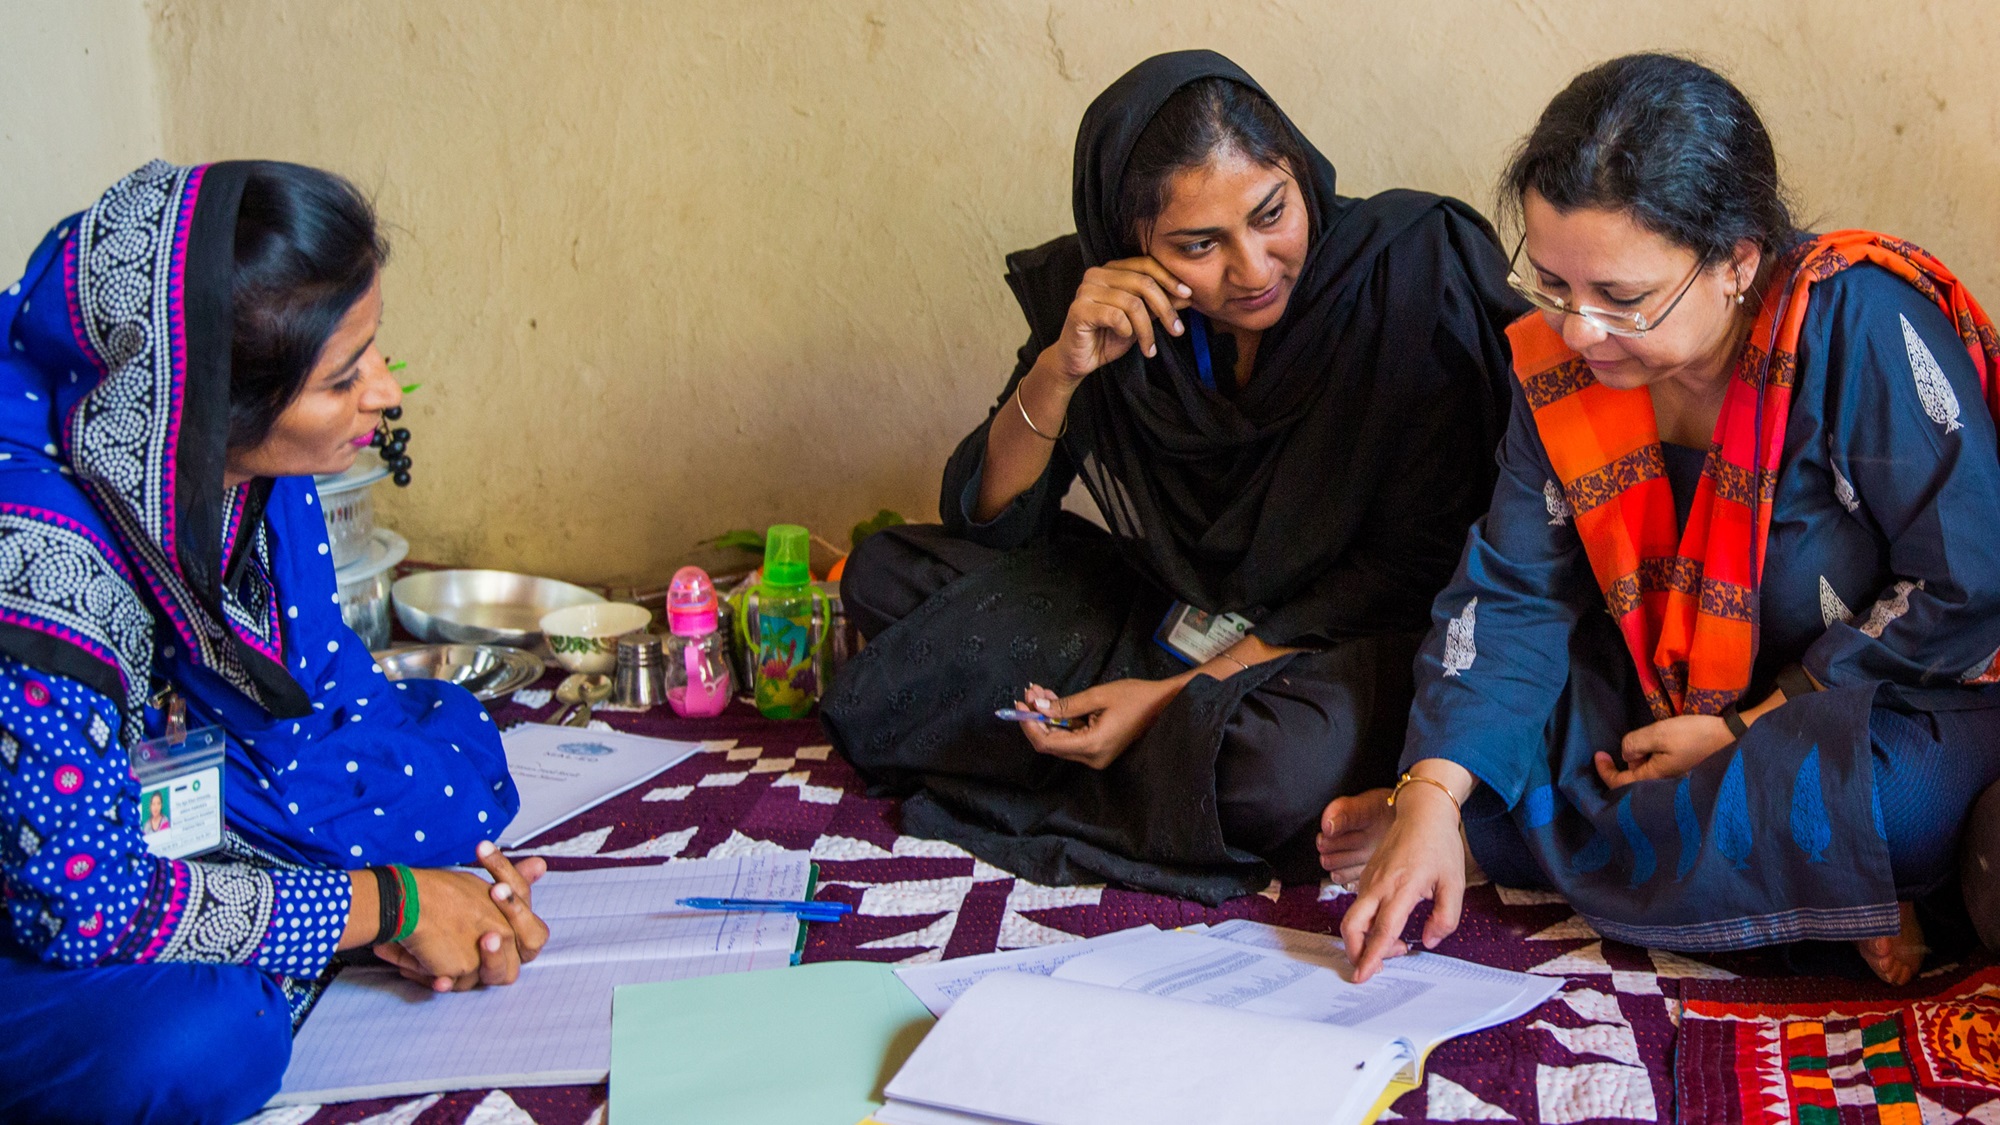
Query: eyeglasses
[[1617, 322]]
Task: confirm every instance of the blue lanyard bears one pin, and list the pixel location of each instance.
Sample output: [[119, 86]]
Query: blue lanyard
[[1198, 336]]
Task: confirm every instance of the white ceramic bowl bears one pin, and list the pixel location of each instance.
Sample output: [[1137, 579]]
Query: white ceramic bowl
[[584, 638]]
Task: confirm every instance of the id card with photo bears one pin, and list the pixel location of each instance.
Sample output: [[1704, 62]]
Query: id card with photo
[[180, 793], [1196, 636]]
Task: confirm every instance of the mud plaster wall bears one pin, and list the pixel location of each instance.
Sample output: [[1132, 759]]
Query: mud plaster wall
[[670, 268], [79, 107]]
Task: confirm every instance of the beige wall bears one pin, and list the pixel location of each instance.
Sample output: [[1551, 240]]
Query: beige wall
[[668, 268], [78, 109]]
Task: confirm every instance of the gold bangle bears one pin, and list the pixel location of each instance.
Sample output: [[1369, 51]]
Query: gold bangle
[[1233, 660], [1407, 778], [1023, 408]]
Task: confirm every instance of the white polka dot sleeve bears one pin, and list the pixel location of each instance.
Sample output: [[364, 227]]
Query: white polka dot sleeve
[[80, 887]]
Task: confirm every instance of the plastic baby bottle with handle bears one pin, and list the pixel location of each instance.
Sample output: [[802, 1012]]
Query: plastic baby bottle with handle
[[790, 619], [699, 682]]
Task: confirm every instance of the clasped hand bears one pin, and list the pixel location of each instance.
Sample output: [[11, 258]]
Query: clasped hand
[[471, 932]]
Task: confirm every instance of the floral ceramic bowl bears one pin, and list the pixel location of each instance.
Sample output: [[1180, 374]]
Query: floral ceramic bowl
[[585, 637]]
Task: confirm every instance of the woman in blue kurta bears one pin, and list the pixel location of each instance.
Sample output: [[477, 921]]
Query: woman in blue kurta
[[1715, 665], [177, 360]]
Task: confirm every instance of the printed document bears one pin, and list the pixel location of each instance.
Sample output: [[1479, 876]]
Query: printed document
[[940, 983], [562, 771], [1051, 1044], [1420, 998], [1045, 1051]]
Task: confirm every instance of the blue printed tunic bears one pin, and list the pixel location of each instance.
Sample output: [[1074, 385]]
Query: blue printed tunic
[[379, 772], [128, 564]]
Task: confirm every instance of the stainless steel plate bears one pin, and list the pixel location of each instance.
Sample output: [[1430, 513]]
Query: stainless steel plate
[[481, 607], [487, 671]]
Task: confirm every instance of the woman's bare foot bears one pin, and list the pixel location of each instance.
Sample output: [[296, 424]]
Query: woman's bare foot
[[1896, 959], [1350, 830]]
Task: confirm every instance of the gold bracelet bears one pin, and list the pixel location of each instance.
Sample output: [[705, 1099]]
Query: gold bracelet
[[1023, 408], [1407, 778], [1235, 661]]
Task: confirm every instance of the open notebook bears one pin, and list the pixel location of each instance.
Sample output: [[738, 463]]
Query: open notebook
[[1165, 1028], [376, 1035]]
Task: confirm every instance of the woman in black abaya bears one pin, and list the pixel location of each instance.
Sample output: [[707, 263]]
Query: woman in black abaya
[[1285, 403]]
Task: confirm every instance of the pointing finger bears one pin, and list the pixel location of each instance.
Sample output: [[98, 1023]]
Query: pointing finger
[[1385, 933]]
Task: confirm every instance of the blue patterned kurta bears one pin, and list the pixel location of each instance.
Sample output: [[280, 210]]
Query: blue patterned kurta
[[368, 772], [1882, 578]]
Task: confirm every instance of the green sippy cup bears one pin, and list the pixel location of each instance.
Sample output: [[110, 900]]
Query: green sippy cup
[[790, 618]]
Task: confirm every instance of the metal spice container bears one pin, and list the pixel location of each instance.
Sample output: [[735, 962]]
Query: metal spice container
[[640, 679]]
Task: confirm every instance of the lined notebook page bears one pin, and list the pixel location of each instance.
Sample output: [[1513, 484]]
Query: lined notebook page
[[377, 1035]]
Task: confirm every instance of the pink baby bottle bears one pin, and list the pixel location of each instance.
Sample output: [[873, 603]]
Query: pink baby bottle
[[699, 682]]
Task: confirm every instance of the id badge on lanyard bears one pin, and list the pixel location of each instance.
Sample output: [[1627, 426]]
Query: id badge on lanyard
[[180, 785], [1196, 636]]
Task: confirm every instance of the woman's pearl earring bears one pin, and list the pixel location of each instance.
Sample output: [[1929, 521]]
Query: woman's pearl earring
[[1739, 297]]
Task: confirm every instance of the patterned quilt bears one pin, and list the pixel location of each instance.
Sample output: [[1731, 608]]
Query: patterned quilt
[[1601, 1051]]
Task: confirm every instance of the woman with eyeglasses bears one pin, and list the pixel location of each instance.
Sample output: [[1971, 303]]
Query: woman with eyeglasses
[[1717, 666]]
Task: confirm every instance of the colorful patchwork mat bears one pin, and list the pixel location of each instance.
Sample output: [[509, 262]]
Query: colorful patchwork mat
[[1601, 1051], [1773, 1052]]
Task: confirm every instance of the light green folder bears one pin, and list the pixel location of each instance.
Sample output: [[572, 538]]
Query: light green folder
[[811, 1045]]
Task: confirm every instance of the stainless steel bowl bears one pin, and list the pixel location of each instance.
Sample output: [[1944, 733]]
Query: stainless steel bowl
[[481, 607], [487, 671]]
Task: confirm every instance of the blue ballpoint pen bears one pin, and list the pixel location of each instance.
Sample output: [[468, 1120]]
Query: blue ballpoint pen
[[810, 911]]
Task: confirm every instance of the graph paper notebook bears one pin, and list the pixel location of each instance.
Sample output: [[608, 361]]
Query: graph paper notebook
[[376, 1035]]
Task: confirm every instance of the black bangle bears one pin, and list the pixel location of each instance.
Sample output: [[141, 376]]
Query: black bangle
[[1737, 727], [389, 898]]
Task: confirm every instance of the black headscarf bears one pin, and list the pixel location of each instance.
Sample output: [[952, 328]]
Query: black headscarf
[[1250, 502]]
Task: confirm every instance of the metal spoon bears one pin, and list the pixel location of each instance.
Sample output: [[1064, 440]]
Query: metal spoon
[[596, 689], [569, 693]]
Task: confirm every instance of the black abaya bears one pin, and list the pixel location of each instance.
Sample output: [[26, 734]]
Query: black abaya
[[1326, 500]]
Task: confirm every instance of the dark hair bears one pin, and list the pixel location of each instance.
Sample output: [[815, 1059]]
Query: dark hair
[[307, 248], [1199, 120], [1667, 140]]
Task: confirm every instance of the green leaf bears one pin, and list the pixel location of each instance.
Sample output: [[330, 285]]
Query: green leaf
[[411, 388], [743, 539], [399, 365], [867, 527]]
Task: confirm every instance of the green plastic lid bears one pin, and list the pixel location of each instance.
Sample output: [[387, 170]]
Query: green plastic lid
[[787, 555]]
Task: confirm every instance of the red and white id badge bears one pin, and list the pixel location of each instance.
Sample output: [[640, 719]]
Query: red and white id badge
[[180, 792]]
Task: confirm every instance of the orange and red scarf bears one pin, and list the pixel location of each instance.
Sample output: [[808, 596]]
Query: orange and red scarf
[[1686, 600]]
